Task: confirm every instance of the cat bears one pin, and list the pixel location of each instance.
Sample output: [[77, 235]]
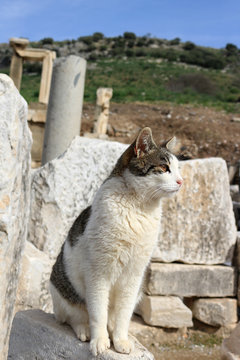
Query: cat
[[96, 280]]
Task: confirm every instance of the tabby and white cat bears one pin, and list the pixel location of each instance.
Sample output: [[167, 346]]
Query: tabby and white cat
[[96, 280]]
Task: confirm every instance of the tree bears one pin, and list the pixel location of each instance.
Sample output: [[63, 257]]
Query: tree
[[97, 36], [129, 35], [231, 49]]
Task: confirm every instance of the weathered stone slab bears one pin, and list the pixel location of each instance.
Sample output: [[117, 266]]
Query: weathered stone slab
[[65, 186], [215, 312], [191, 280], [33, 285], [198, 225], [15, 160], [37, 335], [230, 349], [165, 311]]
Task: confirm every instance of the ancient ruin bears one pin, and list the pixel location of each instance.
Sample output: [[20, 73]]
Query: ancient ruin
[[20, 53]]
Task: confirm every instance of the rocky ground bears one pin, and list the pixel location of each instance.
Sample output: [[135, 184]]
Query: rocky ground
[[200, 343], [203, 132]]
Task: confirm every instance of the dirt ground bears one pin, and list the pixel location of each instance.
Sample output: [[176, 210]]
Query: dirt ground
[[202, 132], [202, 342]]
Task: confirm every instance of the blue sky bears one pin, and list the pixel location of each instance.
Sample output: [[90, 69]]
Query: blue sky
[[205, 22]]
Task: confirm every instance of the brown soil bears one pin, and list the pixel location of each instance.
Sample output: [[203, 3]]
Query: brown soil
[[202, 132], [201, 343]]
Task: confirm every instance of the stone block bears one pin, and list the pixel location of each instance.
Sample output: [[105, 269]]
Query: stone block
[[36, 335], [191, 280], [215, 312], [33, 285], [15, 163], [198, 225], [62, 188], [230, 349], [165, 311]]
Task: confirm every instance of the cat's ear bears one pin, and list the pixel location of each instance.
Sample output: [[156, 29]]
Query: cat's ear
[[144, 142], [171, 144]]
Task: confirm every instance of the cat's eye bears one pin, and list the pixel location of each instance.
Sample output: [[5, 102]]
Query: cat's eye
[[164, 168]]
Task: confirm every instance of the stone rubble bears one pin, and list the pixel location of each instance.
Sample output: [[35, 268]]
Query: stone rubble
[[15, 162]]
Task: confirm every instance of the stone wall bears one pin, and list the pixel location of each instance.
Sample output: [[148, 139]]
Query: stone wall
[[197, 229], [15, 147]]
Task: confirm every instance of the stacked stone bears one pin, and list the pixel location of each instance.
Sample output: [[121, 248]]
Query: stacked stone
[[198, 230]]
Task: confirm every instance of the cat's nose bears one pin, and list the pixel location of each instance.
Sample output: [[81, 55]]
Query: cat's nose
[[179, 181]]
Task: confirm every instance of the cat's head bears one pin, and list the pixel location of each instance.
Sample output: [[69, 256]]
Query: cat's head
[[150, 170]]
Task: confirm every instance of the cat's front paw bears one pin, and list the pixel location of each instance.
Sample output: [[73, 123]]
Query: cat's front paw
[[124, 346], [99, 345]]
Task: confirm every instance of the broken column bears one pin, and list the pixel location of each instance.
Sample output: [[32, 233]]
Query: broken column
[[65, 105], [102, 110]]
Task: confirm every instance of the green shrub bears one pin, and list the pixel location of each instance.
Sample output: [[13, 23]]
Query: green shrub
[[130, 44], [141, 42], [175, 41], [129, 53], [197, 82], [129, 35], [231, 49], [189, 45], [86, 39], [103, 48], [140, 52], [91, 48], [202, 57], [47, 41], [97, 36]]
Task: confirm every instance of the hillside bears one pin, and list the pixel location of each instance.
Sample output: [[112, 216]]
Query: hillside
[[152, 78], [145, 69]]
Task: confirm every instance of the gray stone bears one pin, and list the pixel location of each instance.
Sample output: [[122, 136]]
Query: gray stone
[[37, 335], [191, 280], [165, 311], [33, 285], [65, 186], [198, 225], [15, 160], [215, 312], [230, 349]]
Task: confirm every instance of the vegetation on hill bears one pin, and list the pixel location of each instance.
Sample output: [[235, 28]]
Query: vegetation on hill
[[146, 69]]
